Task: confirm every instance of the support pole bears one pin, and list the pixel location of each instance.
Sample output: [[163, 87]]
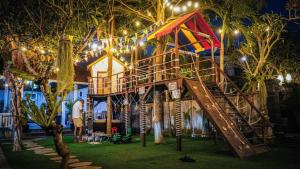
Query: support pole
[[127, 124], [177, 101], [178, 125], [108, 116], [142, 121]]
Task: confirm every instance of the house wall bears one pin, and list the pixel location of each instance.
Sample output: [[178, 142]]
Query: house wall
[[102, 66]]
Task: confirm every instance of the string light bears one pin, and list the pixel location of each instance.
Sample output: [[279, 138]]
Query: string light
[[196, 5], [57, 69], [268, 29], [122, 59], [130, 67], [137, 23], [141, 43], [183, 8], [220, 31], [42, 51], [23, 49], [94, 46], [236, 32], [125, 32]]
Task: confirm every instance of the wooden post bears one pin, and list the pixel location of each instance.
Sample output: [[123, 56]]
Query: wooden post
[[177, 101], [127, 125], [108, 115], [176, 60], [157, 117], [142, 121], [178, 125]]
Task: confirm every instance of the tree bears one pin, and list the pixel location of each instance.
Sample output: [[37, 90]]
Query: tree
[[233, 14], [40, 45], [255, 61], [293, 6]]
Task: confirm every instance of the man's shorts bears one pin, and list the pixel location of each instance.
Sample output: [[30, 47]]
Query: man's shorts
[[77, 122]]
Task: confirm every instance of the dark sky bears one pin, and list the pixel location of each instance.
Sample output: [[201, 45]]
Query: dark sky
[[277, 6]]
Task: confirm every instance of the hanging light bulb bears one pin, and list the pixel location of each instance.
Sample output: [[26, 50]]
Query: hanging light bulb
[[219, 30], [184, 8], [42, 51], [23, 49], [86, 58], [177, 9], [141, 43], [125, 63], [236, 32], [189, 3], [149, 13], [196, 4], [268, 29], [288, 77], [94, 46], [130, 67], [125, 32], [137, 23], [57, 69], [134, 47], [122, 59]]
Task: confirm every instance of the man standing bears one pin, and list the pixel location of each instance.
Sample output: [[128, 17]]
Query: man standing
[[77, 119]]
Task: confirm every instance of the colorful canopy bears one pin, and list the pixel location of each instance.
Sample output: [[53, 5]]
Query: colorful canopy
[[191, 21]]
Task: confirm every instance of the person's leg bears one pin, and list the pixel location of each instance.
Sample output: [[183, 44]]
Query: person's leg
[[80, 133]]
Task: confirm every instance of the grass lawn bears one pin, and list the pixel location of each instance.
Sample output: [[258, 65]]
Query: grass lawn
[[133, 156]]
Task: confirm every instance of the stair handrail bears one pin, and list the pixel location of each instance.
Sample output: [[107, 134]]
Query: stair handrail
[[244, 96]]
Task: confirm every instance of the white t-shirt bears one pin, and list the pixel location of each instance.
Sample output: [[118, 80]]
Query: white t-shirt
[[77, 108]]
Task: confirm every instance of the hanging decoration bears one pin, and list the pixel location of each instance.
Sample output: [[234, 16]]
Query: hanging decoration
[[176, 8]]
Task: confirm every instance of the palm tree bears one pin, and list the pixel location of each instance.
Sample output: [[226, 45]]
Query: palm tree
[[233, 13]]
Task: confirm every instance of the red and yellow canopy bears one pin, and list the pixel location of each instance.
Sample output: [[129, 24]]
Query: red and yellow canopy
[[191, 21]]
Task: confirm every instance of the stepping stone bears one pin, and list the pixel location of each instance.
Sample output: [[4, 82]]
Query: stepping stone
[[44, 151], [81, 164], [71, 161], [88, 167], [72, 156], [51, 154], [35, 148], [32, 145]]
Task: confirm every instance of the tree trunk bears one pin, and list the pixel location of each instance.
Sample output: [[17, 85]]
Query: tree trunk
[[157, 118], [16, 113], [168, 111], [61, 148]]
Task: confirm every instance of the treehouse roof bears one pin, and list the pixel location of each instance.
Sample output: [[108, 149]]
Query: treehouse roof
[[189, 25], [103, 57]]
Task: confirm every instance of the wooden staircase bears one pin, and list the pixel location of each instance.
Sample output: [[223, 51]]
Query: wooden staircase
[[243, 138]]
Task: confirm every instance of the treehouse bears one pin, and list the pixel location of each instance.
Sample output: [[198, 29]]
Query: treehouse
[[182, 68], [101, 84]]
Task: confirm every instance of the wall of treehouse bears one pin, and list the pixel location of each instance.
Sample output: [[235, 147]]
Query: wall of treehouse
[[99, 69]]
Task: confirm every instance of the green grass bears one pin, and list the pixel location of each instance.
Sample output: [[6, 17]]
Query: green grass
[[206, 154], [26, 159]]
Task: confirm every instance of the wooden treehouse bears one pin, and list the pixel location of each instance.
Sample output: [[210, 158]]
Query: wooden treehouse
[[185, 74]]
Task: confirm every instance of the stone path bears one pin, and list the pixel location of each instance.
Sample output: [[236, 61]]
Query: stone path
[[40, 150]]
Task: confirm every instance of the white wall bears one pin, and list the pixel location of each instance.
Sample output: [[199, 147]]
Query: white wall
[[102, 66]]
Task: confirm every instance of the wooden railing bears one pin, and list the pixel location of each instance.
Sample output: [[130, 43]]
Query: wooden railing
[[6, 120], [146, 72]]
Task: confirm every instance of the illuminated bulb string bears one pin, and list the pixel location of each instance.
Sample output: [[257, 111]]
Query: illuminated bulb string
[[183, 8]]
